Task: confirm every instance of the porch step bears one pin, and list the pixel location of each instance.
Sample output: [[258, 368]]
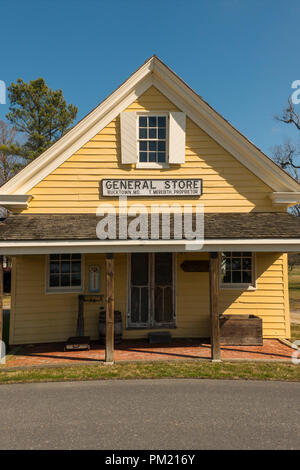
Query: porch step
[[160, 337]]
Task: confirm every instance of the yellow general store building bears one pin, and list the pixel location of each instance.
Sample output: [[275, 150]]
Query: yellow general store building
[[155, 141]]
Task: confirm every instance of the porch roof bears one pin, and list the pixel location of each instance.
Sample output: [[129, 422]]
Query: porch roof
[[53, 233], [253, 225]]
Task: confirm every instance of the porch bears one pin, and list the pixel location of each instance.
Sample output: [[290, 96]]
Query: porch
[[140, 350], [47, 248]]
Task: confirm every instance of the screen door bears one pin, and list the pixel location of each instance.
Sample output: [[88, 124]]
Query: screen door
[[151, 290]]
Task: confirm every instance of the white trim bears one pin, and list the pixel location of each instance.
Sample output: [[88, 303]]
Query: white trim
[[121, 246], [15, 201], [151, 165], [79, 135], [285, 197], [153, 72], [220, 129]]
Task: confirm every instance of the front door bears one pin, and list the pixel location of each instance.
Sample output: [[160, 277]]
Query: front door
[[151, 290]]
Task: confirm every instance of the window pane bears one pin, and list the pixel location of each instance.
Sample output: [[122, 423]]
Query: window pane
[[65, 280], [162, 121], [247, 253], [158, 304], [139, 269], [161, 157], [236, 263], [161, 146], [152, 156], [65, 256], [54, 267], [247, 262], [143, 156], [144, 304], [143, 121], [227, 264], [163, 268], [54, 257], [76, 267], [76, 279], [65, 267], [152, 121], [168, 304], [54, 280], [236, 276], [161, 133], [247, 277], [76, 256], [153, 146], [152, 134], [143, 133], [143, 145], [135, 304], [226, 277]]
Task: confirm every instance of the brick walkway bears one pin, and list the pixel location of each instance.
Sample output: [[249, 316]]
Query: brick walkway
[[53, 353]]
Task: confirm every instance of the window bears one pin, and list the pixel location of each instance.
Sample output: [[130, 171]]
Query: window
[[152, 139], [237, 269], [65, 272], [151, 290]]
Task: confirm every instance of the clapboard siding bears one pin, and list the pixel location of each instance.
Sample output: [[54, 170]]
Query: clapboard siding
[[74, 186], [39, 317]]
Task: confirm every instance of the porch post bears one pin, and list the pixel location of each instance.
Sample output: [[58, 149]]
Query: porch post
[[109, 342], [214, 312]]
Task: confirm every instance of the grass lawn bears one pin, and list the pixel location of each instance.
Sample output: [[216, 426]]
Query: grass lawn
[[294, 288], [157, 370]]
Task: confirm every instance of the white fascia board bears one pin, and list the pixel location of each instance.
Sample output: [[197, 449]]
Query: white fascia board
[[286, 197], [221, 131], [153, 72], [81, 133], [120, 246], [15, 201]]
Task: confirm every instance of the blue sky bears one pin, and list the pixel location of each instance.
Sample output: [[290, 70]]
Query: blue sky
[[240, 55]]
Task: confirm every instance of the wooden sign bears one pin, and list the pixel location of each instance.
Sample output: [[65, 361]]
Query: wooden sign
[[195, 266], [151, 187]]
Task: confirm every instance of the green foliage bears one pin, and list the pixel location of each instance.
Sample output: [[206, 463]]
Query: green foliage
[[40, 113], [10, 163]]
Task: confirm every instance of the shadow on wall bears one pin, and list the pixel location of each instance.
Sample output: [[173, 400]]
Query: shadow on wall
[[267, 296]]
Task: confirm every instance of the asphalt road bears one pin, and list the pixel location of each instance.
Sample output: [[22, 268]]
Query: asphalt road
[[151, 414]]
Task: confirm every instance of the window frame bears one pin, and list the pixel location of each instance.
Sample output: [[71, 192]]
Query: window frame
[[64, 289], [241, 285], [153, 165]]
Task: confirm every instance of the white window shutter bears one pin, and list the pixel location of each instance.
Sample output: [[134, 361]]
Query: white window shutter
[[128, 137], [177, 137]]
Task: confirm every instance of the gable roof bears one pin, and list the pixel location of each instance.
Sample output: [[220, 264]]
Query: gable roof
[[155, 73]]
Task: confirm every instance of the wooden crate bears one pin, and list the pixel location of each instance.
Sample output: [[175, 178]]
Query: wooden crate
[[241, 330]]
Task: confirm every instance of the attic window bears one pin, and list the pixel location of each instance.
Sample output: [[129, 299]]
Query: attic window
[[152, 138]]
